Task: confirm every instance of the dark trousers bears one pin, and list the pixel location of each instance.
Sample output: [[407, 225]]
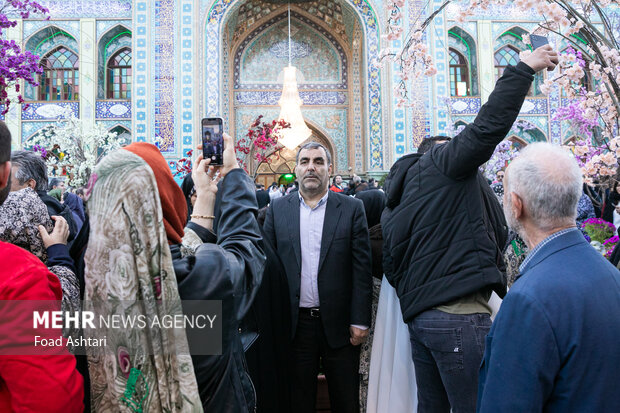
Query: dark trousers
[[340, 365], [447, 350]]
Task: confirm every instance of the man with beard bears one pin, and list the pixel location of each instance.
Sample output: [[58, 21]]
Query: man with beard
[[444, 232], [50, 373], [553, 344], [322, 239]]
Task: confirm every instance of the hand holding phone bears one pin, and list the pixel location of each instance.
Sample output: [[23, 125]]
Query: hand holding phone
[[538, 41], [212, 140]]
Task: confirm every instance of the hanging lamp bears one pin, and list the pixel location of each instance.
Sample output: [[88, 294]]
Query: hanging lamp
[[290, 103]]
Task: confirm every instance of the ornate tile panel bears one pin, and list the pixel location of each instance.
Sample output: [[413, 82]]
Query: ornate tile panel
[[113, 109], [88, 8], [357, 83], [441, 79], [105, 25], [533, 106], [462, 106], [109, 124], [420, 97], [49, 111], [163, 77], [269, 42], [30, 128], [308, 98], [70, 26]]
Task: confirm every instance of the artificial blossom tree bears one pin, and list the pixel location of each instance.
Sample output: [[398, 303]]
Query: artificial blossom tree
[[588, 72], [72, 147], [16, 64]]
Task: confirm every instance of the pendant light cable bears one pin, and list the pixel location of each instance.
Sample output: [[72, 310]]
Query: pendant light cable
[[289, 34]]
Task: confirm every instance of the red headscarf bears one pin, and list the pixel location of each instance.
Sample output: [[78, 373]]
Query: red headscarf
[[173, 203]]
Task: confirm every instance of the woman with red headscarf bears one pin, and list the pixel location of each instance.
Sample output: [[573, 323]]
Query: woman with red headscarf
[[138, 214]]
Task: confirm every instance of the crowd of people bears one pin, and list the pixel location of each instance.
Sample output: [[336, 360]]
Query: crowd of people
[[387, 292]]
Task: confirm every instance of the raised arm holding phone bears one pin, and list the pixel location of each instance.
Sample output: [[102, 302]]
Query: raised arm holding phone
[[176, 260], [206, 178], [227, 266], [444, 231]]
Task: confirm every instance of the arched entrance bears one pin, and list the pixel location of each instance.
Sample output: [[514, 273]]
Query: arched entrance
[[349, 107], [281, 169], [281, 165]]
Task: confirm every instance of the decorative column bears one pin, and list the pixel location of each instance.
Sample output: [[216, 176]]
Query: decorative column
[[486, 62], [163, 77], [189, 71], [418, 90], [88, 70], [141, 71], [440, 82]]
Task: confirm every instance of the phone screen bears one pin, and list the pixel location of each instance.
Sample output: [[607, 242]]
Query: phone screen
[[212, 140], [538, 41]]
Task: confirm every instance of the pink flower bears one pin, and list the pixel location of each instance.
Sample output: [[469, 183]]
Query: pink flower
[[430, 71], [90, 186]]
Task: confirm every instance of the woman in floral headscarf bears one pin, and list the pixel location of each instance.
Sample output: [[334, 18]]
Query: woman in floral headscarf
[[137, 256], [25, 222], [128, 268]]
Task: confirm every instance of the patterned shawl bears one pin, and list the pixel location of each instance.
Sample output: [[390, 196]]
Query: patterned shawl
[[20, 215], [129, 272]]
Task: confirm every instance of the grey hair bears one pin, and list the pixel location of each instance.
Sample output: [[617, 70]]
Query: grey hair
[[356, 179], [314, 145], [549, 181], [30, 165]]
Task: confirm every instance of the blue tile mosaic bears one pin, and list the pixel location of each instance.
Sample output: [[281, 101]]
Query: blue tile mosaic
[[49, 111], [308, 98], [113, 109]]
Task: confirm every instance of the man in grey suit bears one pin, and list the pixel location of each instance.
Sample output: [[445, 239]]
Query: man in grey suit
[[322, 238]]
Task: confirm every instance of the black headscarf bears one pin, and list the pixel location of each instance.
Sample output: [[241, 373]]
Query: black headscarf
[[76, 206]]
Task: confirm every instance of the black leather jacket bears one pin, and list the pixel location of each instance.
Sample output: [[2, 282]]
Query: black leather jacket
[[229, 268]]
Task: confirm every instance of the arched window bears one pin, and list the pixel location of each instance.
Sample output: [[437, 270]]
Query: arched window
[[119, 75], [505, 57], [60, 78], [459, 74]]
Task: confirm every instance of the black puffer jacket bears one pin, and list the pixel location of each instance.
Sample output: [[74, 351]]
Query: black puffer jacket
[[443, 227], [229, 268]]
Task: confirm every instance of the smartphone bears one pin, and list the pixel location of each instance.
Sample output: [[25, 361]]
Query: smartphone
[[538, 41], [213, 140]]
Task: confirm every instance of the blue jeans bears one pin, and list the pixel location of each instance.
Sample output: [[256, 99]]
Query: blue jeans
[[447, 350]]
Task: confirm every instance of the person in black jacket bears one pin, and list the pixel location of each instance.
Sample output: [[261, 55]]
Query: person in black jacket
[[444, 232], [224, 265], [322, 239]]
